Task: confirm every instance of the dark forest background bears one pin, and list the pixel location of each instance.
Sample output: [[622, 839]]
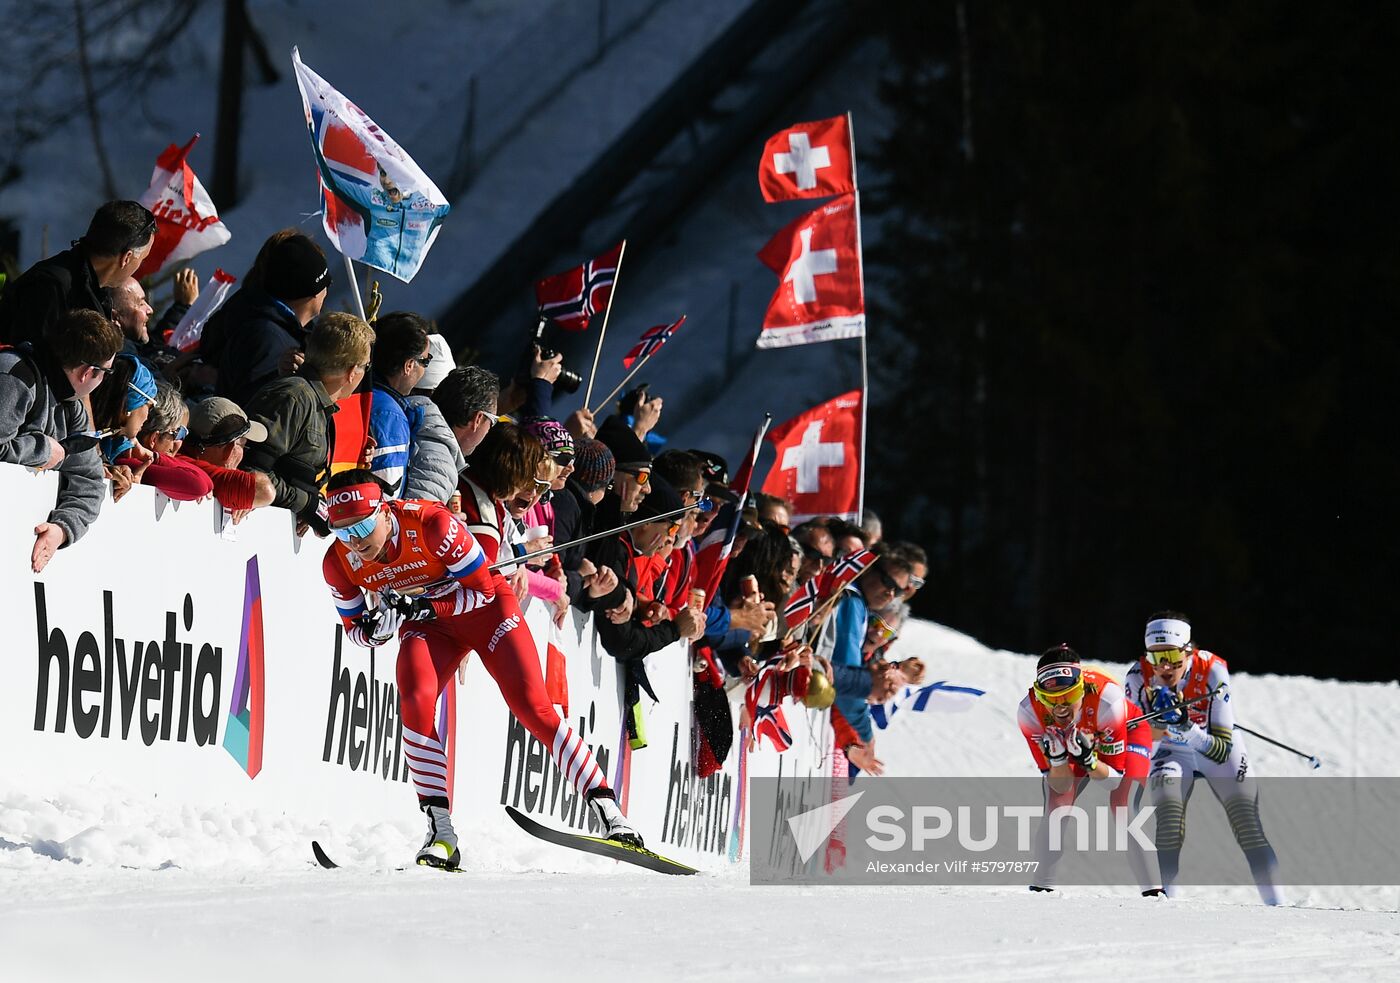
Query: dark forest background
[[1140, 263]]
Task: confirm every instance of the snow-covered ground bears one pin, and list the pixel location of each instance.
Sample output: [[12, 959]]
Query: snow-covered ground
[[98, 885]]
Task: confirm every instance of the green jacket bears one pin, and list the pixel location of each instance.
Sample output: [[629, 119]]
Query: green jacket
[[296, 457]]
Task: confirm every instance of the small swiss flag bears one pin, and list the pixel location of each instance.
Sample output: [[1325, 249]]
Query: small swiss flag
[[818, 464], [808, 160], [820, 296]]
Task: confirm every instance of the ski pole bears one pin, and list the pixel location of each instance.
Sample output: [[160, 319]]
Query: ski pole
[[1312, 759], [704, 505], [1165, 710]]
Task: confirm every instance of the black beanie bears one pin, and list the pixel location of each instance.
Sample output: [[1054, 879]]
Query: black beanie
[[628, 449], [296, 269]]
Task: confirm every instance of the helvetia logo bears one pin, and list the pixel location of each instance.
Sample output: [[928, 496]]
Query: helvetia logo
[[364, 730], [170, 690]]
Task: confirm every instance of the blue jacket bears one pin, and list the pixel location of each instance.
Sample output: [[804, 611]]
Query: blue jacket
[[852, 679], [388, 425]]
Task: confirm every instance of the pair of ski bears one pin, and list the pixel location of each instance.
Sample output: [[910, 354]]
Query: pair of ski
[[635, 855]]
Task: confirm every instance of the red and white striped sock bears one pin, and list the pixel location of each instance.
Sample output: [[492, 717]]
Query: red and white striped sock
[[574, 760], [427, 764]]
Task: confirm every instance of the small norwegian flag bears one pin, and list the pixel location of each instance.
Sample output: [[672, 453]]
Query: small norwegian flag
[[808, 160], [845, 570], [801, 604], [186, 223], [572, 298], [712, 552], [821, 294], [764, 700], [652, 339]]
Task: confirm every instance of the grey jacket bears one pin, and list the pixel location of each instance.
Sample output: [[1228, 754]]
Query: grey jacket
[[434, 459], [37, 402]]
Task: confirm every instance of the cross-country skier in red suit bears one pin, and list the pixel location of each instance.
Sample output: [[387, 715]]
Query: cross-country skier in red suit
[[451, 603]]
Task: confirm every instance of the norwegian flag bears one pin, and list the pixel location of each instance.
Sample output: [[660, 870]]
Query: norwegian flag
[[186, 223], [821, 292], [712, 554], [571, 299], [801, 604], [652, 339], [818, 464], [808, 160], [764, 700]]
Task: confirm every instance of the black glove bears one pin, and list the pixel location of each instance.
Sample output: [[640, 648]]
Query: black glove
[[416, 608], [1081, 750]]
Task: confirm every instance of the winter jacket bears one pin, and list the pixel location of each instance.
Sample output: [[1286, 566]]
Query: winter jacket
[[246, 338], [299, 416], [37, 402], [388, 425], [434, 457], [851, 678], [573, 519], [46, 291]]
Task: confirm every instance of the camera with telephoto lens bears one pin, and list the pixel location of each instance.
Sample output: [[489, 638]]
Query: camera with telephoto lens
[[568, 381]]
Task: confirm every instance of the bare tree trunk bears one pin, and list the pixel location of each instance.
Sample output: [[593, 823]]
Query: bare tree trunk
[[224, 188], [90, 98]]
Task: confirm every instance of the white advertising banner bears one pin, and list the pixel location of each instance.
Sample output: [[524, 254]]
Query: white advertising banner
[[172, 653]]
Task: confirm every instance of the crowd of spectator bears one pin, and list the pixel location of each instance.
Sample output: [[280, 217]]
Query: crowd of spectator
[[90, 389]]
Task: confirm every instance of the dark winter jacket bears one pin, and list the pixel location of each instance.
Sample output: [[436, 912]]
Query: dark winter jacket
[[49, 289], [246, 338], [37, 402], [296, 456], [573, 518]]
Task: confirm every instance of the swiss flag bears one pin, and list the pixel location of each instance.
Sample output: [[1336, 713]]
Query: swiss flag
[[818, 464], [186, 223], [808, 160], [572, 298], [820, 296]]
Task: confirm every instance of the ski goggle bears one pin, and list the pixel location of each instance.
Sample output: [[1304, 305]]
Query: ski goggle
[[1174, 657], [359, 530], [1059, 684]]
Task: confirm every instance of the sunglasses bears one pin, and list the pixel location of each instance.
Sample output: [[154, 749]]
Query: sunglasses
[[889, 582], [641, 477], [564, 459], [491, 418], [360, 530], [1174, 657], [179, 433], [814, 554], [104, 369], [916, 582], [423, 360]]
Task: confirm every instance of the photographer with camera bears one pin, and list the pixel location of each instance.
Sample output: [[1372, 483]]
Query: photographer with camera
[[540, 375]]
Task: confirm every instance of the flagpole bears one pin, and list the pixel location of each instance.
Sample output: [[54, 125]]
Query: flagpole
[[354, 285], [625, 379], [612, 294], [864, 361]]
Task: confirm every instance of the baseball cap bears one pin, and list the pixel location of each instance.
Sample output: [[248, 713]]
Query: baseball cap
[[217, 421]]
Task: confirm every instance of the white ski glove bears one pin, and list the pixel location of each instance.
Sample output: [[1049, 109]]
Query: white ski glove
[[1053, 745], [375, 628], [1193, 737]]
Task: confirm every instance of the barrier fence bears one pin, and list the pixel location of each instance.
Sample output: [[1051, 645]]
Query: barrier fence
[[173, 653]]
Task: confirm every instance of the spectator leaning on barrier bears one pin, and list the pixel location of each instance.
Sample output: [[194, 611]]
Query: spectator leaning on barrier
[[633, 464], [468, 398], [401, 356], [843, 642], [41, 404], [219, 432], [298, 413], [120, 405], [590, 480], [118, 239], [265, 320], [162, 434], [434, 456]]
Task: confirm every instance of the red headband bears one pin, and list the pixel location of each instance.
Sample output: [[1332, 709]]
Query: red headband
[[354, 502]]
